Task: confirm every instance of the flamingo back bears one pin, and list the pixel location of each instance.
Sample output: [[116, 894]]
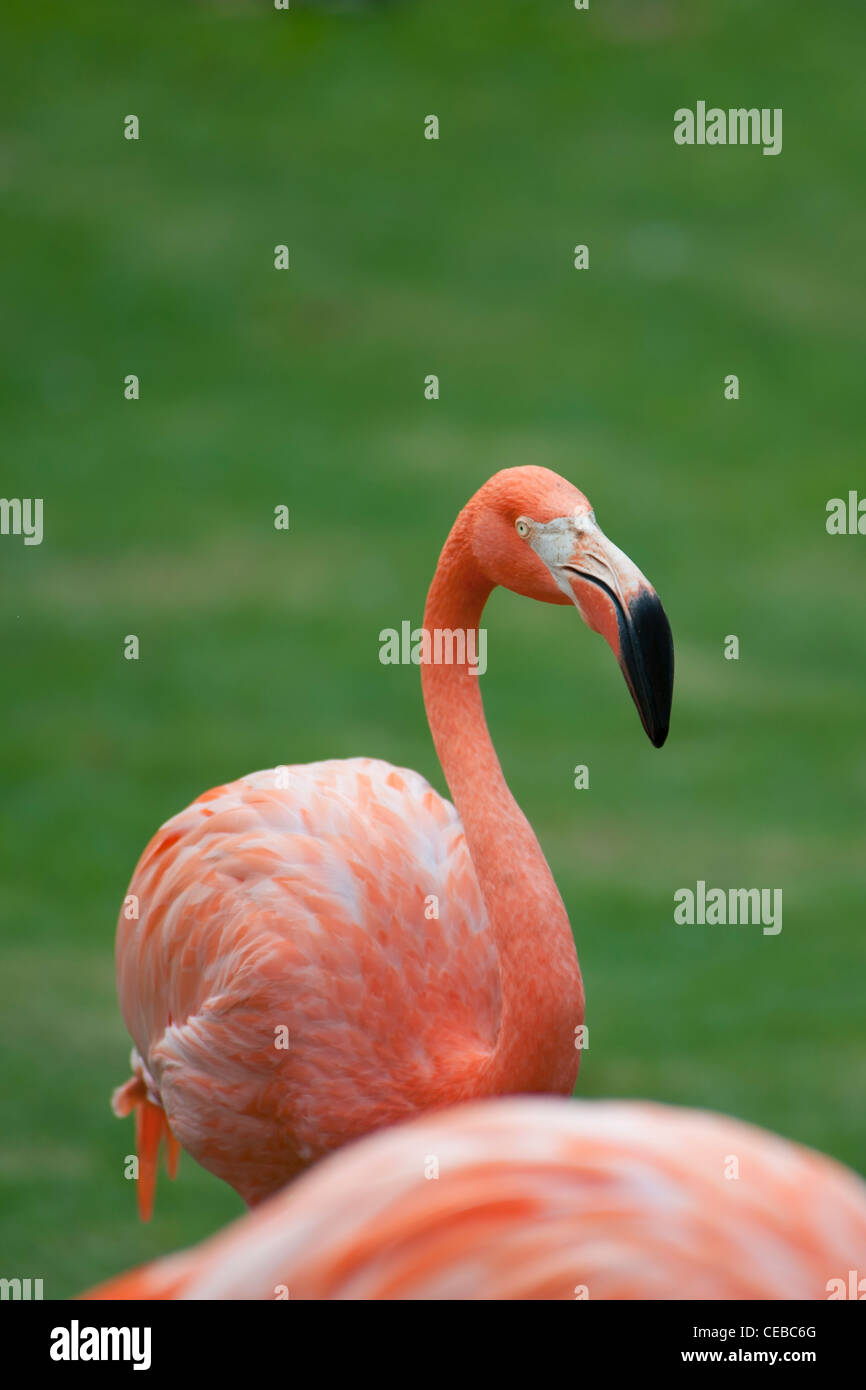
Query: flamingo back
[[541, 1198]]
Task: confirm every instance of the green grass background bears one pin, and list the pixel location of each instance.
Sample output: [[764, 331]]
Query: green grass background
[[306, 388]]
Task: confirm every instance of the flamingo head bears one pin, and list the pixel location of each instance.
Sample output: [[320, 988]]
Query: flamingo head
[[536, 534]]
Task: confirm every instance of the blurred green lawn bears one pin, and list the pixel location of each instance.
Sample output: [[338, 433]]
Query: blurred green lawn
[[306, 388]]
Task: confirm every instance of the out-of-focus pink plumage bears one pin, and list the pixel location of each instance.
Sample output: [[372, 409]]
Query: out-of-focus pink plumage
[[538, 1198]]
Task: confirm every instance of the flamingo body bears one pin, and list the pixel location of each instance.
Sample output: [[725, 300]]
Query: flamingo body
[[313, 961], [539, 1198], [342, 907]]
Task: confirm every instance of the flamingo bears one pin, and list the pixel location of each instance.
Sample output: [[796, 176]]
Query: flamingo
[[301, 964], [540, 1198]]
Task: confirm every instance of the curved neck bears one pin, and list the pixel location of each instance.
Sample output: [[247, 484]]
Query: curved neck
[[542, 992]]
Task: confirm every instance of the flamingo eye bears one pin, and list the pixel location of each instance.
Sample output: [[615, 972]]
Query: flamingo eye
[[521, 526]]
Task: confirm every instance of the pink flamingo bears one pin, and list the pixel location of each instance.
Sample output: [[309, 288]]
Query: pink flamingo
[[314, 961], [541, 1198]]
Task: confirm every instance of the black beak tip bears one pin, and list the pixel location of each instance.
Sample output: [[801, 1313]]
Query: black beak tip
[[649, 665], [658, 737]]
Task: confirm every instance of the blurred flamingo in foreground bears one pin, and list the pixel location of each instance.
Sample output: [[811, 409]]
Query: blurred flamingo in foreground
[[316, 960], [540, 1198]]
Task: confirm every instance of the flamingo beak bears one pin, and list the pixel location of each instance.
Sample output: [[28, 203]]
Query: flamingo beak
[[615, 600]]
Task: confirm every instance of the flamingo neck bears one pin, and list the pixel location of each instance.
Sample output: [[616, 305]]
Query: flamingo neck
[[542, 991]]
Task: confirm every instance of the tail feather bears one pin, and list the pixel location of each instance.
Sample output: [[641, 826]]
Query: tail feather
[[148, 1133], [172, 1152], [151, 1127]]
